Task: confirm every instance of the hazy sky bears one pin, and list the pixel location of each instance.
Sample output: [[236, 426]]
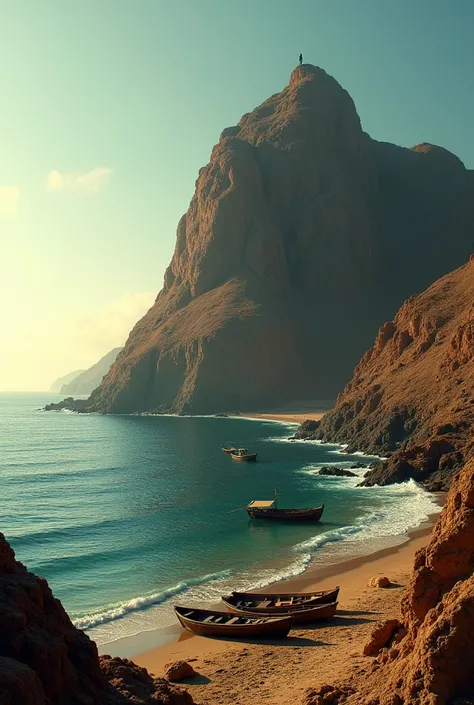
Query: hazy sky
[[108, 108]]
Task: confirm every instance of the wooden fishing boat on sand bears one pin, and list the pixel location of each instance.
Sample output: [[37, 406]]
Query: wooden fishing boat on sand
[[243, 454], [212, 623], [268, 509], [303, 615], [286, 602], [228, 448]]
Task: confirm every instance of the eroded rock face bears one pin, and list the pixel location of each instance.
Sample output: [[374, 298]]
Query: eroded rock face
[[381, 635], [411, 394], [299, 223], [432, 663], [45, 660]]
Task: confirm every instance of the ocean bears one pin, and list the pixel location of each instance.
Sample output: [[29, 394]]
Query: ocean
[[128, 515]]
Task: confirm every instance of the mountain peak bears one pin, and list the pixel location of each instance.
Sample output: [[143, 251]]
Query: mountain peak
[[300, 226]]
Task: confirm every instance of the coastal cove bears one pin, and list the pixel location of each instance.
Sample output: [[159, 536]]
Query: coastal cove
[[127, 515]]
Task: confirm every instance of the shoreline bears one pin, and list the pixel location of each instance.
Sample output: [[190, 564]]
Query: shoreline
[[287, 416], [155, 647], [279, 671]]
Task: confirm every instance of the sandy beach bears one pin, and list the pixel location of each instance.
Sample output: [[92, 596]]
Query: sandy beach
[[279, 672], [314, 412]]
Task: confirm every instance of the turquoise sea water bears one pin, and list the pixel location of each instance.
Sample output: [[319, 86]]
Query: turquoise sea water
[[127, 515]]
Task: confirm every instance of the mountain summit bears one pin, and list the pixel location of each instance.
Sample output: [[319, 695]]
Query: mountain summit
[[302, 237]]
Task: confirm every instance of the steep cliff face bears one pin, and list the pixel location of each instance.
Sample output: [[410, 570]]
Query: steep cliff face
[[432, 664], [412, 391], [45, 660], [291, 254]]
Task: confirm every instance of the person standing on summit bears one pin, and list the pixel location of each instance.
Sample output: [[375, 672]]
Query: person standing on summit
[[301, 59]]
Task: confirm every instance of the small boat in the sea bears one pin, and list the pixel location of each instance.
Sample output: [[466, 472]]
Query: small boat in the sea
[[303, 615], [268, 509], [285, 602], [243, 454], [228, 448], [212, 623]]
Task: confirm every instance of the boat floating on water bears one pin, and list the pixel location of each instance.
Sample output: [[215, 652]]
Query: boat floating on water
[[268, 509], [286, 602], [228, 448], [243, 454], [303, 615], [212, 623]]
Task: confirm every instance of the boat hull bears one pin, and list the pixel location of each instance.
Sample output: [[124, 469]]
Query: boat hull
[[258, 625], [313, 598], [250, 458], [304, 615], [310, 514]]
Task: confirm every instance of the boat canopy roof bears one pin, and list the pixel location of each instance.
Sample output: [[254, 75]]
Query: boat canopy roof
[[262, 504]]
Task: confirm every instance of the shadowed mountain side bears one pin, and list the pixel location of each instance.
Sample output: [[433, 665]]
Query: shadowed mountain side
[[302, 237]]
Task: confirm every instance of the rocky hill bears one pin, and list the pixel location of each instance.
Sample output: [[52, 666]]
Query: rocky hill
[[88, 380], [58, 384], [412, 392], [45, 660], [429, 661], [302, 237]]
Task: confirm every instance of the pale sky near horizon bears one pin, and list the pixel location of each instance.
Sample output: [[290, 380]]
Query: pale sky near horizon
[[108, 108]]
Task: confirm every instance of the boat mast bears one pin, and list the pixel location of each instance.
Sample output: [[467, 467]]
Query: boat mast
[[276, 498]]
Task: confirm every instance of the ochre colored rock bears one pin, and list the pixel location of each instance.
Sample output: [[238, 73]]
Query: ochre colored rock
[[300, 227], [411, 393], [139, 687], [449, 556], [379, 581], [45, 660], [179, 670], [381, 636], [432, 664]]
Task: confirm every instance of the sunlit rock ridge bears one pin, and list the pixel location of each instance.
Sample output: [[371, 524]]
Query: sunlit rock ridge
[[303, 236]]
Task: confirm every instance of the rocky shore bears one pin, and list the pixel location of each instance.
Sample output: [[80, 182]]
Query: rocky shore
[[45, 660], [410, 398]]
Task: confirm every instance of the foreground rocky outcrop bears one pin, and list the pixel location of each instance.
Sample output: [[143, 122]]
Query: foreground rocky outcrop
[[411, 395], [429, 659], [45, 660], [301, 227]]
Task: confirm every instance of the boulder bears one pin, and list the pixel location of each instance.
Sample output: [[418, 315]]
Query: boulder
[[337, 472], [379, 582], [179, 670], [125, 678], [381, 636]]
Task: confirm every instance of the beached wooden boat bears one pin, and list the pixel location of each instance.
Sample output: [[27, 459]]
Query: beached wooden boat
[[212, 623], [228, 448], [303, 615], [285, 602], [243, 454], [268, 509]]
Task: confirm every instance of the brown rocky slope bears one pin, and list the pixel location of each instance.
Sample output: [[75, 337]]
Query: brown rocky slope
[[303, 235], [432, 663], [411, 394], [45, 660]]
